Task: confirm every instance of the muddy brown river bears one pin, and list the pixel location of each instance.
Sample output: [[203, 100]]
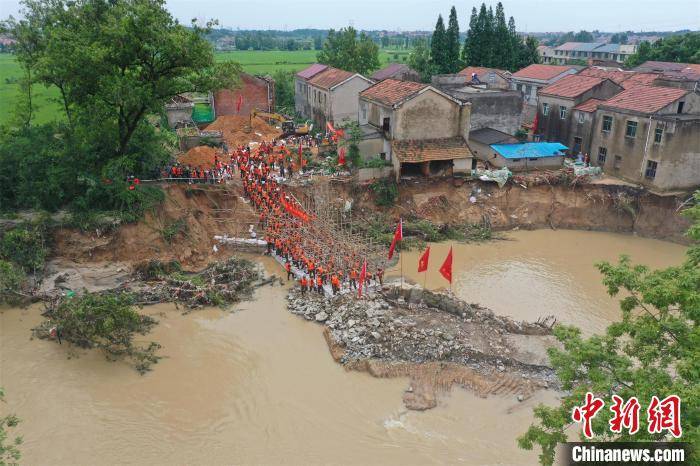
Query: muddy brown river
[[259, 386]]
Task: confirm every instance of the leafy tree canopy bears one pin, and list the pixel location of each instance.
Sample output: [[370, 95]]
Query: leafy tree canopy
[[683, 48], [345, 50]]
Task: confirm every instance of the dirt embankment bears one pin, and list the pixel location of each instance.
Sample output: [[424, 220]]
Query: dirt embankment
[[182, 229], [583, 207]]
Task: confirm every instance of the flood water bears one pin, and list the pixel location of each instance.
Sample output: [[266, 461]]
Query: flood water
[[533, 274], [259, 386]]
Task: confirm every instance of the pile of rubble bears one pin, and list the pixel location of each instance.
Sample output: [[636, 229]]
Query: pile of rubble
[[415, 326]]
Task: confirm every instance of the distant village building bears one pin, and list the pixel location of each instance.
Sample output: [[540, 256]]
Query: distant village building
[[253, 92], [179, 111], [546, 54], [397, 71], [492, 78], [680, 75], [325, 94], [532, 78], [500, 109], [651, 136], [422, 130], [593, 51], [556, 119]]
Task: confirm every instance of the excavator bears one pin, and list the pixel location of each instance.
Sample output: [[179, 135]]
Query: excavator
[[288, 126]]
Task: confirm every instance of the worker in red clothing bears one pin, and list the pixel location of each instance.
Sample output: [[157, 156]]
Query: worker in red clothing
[[288, 268]]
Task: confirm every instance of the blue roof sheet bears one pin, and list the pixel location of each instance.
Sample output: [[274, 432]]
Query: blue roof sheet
[[530, 150]]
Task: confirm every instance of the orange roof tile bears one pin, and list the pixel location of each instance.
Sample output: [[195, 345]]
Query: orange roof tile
[[542, 72], [425, 150], [639, 79], [330, 77], [481, 71], [616, 76], [391, 91], [571, 86], [589, 105], [645, 99]]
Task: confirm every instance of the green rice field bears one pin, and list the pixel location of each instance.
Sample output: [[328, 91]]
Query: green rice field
[[252, 61]]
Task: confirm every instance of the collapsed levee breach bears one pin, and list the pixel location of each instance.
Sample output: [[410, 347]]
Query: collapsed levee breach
[[434, 339]]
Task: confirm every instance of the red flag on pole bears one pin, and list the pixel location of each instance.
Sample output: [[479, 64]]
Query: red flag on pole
[[423, 261], [239, 103], [535, 123], [341, 156], [446, 269], [330, 127], [398, 236], [363, 277]]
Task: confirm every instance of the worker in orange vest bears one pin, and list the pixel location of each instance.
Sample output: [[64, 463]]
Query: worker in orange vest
[[319, 284], [335, 283], [353, 279], [288, 268], [304, 283]]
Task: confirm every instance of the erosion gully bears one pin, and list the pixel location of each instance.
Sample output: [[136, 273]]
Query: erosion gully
[[258, 385]]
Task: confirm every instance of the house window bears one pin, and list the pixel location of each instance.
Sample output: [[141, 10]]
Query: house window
[[650, 172], [658, 135], [581, 117], [364, 111], [545, 109], [533, 159], [607, 124], [602, 155], [520, 87], [680, 107], [577, 145], [562, 113], [631, 130], [618, 162], [528, 89], [492, 77], [386, 124]]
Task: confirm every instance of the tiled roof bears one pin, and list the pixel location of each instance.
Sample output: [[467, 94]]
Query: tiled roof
[[543, 72], [389, 71], [589, 105], [645, 99], [392, 91], [426, 150], [330, 77], [571, 86], [490, 136], [614, 75], [311, 71], [639, 79], [580, 46], [662, 66], [481, 72]]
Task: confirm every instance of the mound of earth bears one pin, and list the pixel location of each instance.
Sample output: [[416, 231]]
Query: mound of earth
[[237, 130], [200, 156]]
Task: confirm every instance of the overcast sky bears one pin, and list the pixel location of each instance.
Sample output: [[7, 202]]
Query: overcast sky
[[530, 15]]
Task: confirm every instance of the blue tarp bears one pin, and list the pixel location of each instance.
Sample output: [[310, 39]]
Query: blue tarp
[[530, 150]]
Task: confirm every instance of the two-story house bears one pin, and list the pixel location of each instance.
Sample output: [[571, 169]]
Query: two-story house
[[532, 78], [557, 119], [419, 128], [651, 136], [328, 95]]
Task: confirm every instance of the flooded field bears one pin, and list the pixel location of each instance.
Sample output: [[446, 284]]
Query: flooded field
[[259, 386]]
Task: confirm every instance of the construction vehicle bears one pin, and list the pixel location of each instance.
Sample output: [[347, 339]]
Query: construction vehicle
[[286, 123]]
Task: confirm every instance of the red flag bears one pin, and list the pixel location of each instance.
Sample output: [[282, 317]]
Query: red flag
[[239, 103], [535, 123], [330, 127], [398, 236], [423, 261], [341, 156], [363, 277], [446, 269]]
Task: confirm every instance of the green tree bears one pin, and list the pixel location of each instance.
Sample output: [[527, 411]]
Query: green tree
[[345, 50], [653, 351], [452, 61], [438, 47], [471, 41], [284, 90], [12, 278], [684, 48], [583, 36], [504, 52], [419, 60], [9, 447], [619, 38]]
